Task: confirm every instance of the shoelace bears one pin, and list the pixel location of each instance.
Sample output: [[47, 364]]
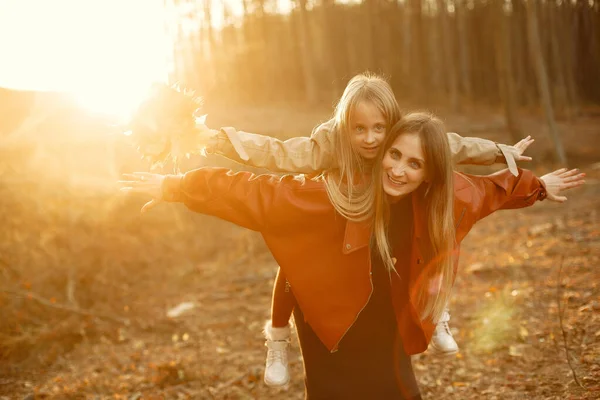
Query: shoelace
[[445, 327], [443, 323], [276, 355]]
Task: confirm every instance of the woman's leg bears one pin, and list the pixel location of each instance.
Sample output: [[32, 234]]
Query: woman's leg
[[277, 332]]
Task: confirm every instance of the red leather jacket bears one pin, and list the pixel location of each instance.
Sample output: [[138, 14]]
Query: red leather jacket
[[326, 258]]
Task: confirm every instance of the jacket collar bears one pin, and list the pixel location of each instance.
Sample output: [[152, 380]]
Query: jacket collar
[[358, 234]]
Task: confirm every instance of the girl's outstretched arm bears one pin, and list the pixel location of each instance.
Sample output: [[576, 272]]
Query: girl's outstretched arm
[[477, 151], [317, 153], [299, 154]]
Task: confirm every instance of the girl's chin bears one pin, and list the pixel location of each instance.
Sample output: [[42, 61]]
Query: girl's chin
[[369, 155]]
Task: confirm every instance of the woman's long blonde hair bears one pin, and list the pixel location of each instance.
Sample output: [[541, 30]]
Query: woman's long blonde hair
[[431, 289], [343, 184]]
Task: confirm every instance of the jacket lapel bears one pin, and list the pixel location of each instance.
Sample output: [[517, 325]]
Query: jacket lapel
[[356, 236]]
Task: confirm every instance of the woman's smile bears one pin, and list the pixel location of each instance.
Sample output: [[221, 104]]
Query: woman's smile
[[396, 181]]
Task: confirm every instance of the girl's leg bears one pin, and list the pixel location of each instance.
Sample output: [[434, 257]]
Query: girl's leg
[[282, 302], [442, 342], [277, 332]]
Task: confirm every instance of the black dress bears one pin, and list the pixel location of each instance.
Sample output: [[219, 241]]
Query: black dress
[[371, 362]]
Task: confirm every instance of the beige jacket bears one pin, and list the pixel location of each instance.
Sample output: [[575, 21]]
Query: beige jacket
[[316, 153]]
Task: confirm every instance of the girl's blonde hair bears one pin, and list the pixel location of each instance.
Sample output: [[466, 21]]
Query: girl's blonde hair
[[431, 289], [346, 193]]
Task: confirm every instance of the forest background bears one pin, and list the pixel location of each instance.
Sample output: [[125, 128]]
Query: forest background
[[86, 283]]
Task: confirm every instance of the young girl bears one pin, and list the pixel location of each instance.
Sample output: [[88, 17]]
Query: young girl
[[369, 286], [349, 143]]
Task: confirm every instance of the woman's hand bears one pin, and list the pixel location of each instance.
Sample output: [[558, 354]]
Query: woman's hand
[[559, 180], [146, 183], [519, 148]]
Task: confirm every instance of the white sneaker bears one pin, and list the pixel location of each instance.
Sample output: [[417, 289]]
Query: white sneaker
[[442, 342], [276, 367]]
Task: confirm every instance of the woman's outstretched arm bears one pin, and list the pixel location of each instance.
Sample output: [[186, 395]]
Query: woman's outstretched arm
[[242, 198], [503, 190]]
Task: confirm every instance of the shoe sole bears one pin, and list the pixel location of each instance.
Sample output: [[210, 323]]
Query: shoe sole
[[277, 385], [433, 350]]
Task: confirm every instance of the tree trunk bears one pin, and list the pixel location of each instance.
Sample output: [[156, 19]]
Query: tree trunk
[[330, 66], [556, 51], [370, 48], [210, 41], [568, 25], [447, 44], [350, 45], [417, 50], [463, 49], [522, 60], [434, 61], [560, 50], [307, 59], [542, 79], [505, 71]]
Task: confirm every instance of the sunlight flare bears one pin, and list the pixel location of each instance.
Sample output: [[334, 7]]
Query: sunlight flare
[[105, 53]]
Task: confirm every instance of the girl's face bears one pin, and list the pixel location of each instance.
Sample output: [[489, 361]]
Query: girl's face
[[367, 130], [403, 166]]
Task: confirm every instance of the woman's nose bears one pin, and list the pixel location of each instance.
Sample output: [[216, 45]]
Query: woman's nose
[[399, 170], [370, 138]]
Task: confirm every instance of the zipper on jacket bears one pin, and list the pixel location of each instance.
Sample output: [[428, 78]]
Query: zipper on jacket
[[335, 348]]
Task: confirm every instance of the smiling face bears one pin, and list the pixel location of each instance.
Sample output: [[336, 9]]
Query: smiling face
[[403, 166], [367, 129]]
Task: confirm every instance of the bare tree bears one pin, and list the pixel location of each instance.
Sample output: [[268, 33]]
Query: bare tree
[[542, 79], [447, 45], [557, 53], [503, 13], [306, 55], [567, 24], [463, 48]]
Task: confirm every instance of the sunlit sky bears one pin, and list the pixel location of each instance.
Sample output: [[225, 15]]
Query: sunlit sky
[[91, 48], [105, 52]]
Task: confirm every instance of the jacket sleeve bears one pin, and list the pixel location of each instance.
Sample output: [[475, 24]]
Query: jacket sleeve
[[503, 190], [299, 154], [477, 151], [242, 198]]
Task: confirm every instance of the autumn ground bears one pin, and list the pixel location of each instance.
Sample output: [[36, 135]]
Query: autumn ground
[[86, 282]]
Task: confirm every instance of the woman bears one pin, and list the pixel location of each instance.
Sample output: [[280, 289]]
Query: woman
[[349, 142], [390, 267]]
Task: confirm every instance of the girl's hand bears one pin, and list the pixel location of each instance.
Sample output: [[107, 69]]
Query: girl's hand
[[146, 183], [560, 180], [519, 148]]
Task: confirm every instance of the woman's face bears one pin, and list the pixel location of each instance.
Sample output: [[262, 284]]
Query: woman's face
[[367, 130], [404, 167]]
